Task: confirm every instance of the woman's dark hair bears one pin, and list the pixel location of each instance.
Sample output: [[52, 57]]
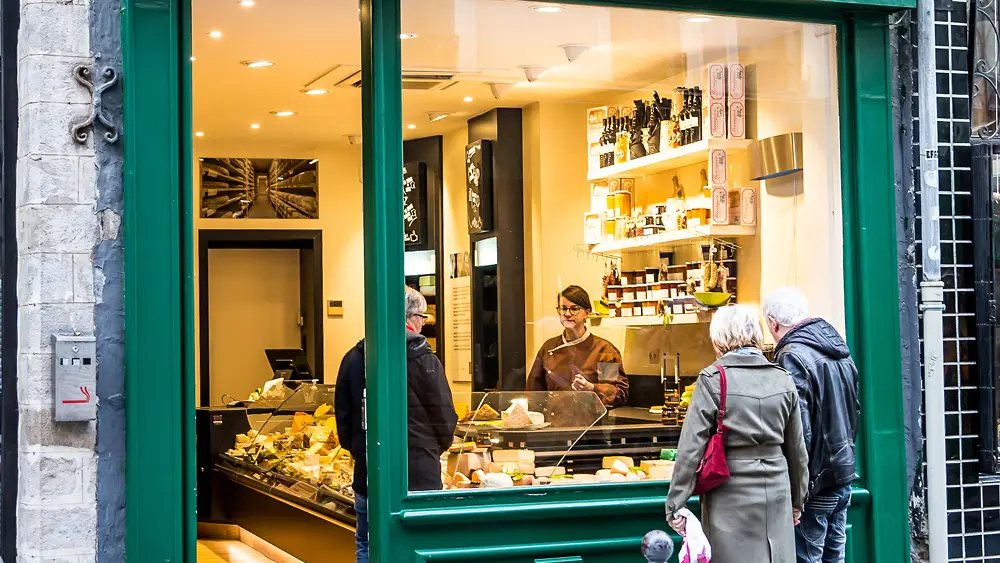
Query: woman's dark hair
[[577, 296]]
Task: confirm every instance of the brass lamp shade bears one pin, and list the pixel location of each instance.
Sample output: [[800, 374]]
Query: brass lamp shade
[[776, 156]]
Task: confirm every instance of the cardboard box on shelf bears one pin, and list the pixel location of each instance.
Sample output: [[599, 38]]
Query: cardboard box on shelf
[[743, 206], [593, 228], [717, 120], [717, 82], [720, 205], [599, 196], [736, 82], [737, 120], [718, 163]]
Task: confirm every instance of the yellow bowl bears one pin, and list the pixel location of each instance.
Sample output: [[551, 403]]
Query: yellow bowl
[[712, 299]]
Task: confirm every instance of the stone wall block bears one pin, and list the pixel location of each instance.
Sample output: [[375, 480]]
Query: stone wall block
[[50, 479], [83, 278], [46, 278], [57, 228], [37, 324], [43, 530], [46, 78], [45, 130], [54, 29], [88, 180], [38, 428], [48, 179]]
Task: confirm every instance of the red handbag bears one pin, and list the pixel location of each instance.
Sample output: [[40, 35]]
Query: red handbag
[[713, 469]]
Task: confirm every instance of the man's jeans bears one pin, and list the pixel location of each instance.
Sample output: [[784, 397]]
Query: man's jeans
[[361, 535], [821, 534]]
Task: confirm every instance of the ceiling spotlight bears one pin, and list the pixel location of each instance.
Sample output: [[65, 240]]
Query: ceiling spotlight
[[201, 160], [437, 115], [315, 91], [282, 113], [411, 126], [467, 99], [257, 64], [574, 50], [215, 34], [247, 3], [405, 36], [533, 72], [199, 134], [499, 88], [255, 125], [193, 59], [314, 161], [548, 9], [699, 19]]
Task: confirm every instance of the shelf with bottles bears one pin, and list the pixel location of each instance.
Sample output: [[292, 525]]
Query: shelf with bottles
[[667, 239], [669, 159], [605, 321]]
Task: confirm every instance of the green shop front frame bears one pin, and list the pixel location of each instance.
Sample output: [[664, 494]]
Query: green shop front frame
[[596, 523]]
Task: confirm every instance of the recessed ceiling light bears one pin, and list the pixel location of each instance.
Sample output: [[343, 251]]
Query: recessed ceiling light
[[247, 3], [257, 64], [411, 126], [548, 9], [193, 59], [314, 161], [699, 19], [255, 125], [316, 91], [215, 34], [405, 36], [283, 113], [467, 99], [437, 115], [199, 134], [201, 160]]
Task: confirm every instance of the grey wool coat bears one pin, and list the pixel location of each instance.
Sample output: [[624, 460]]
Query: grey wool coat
[[748, 519]]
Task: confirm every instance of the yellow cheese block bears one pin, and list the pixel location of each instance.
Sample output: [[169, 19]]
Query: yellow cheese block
[[511, 467], [661, 472], [609, 461], [514, 456], [619, 467], [300, 421], [467, 463], [646, 464], [549, 471], [322, 409]]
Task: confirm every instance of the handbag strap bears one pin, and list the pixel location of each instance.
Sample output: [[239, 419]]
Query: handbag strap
[[722, 399]]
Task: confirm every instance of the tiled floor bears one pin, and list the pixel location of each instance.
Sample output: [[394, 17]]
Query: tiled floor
[[228, 551]]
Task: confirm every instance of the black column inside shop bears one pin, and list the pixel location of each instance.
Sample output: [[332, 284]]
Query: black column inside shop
[[502, 126], [429, 150]]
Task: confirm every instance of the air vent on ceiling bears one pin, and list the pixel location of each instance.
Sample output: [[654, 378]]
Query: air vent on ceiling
[[427, 82]]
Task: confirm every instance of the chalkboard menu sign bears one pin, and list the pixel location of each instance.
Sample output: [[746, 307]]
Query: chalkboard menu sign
[[479, 183], [414, 204]]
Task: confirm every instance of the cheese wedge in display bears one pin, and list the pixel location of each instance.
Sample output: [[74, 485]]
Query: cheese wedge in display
[[549, 471], [619, 467], [322, 409], [523, 456], [609, 461]]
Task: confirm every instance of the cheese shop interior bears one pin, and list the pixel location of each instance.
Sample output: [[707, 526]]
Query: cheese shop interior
[[665, 162]]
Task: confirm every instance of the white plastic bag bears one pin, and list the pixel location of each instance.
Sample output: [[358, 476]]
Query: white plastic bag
[[695, 548]]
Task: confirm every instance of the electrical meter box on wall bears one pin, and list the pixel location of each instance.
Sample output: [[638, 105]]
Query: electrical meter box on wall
[[75, 378]]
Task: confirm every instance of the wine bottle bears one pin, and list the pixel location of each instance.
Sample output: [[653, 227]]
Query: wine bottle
[[697, 114]]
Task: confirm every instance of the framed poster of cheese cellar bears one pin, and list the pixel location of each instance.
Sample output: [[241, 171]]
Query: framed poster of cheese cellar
[[259, 188], [627, 208]]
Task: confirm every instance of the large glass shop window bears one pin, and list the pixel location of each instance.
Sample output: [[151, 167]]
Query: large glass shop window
[[610, 177]]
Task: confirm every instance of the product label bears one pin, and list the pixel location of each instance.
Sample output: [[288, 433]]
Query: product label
[[737, 121], [596, 116], [737, 81], [717, 121], [716, 82], [720, 205], [719, 165], [748, 207]]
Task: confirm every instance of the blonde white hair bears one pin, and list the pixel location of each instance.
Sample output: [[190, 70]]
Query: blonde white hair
[[786, 306], [735, 326]]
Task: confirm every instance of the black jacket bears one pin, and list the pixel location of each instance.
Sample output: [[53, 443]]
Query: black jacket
[[430, 408], [827, 381]]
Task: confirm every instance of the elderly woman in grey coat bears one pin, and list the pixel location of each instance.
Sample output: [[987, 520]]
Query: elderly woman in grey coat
[[751, 517]]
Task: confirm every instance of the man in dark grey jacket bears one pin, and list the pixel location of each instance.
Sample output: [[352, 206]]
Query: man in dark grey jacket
[[818, 359]]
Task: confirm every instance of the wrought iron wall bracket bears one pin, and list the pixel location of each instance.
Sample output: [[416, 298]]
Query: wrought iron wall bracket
[[81, 128]]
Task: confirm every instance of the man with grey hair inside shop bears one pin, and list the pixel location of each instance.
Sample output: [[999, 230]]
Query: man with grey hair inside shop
[[818, 359], [431, 416]]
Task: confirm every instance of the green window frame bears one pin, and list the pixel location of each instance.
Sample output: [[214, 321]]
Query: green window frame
[[159, 306]]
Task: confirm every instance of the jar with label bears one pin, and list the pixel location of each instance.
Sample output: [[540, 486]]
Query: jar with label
[[640, 292], [652, 274], [628, 293], [626, 309], [649, 308], [614, 293]]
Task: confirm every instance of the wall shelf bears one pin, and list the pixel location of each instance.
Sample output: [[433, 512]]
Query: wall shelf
[[673, 238], [627, 322], [670, 159]]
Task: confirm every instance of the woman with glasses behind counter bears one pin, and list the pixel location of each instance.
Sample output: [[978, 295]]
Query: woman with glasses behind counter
[[578, 360]]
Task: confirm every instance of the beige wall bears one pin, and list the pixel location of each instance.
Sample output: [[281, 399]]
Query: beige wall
[[254, 296], [340, 219]]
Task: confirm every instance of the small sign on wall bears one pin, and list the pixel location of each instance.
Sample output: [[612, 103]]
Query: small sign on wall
[[479, 183], [414, 204]]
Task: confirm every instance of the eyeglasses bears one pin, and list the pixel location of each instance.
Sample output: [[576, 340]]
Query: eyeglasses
[[571, 310], [424, 317]]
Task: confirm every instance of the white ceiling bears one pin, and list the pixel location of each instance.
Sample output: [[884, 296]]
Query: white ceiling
[[316, 43]]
